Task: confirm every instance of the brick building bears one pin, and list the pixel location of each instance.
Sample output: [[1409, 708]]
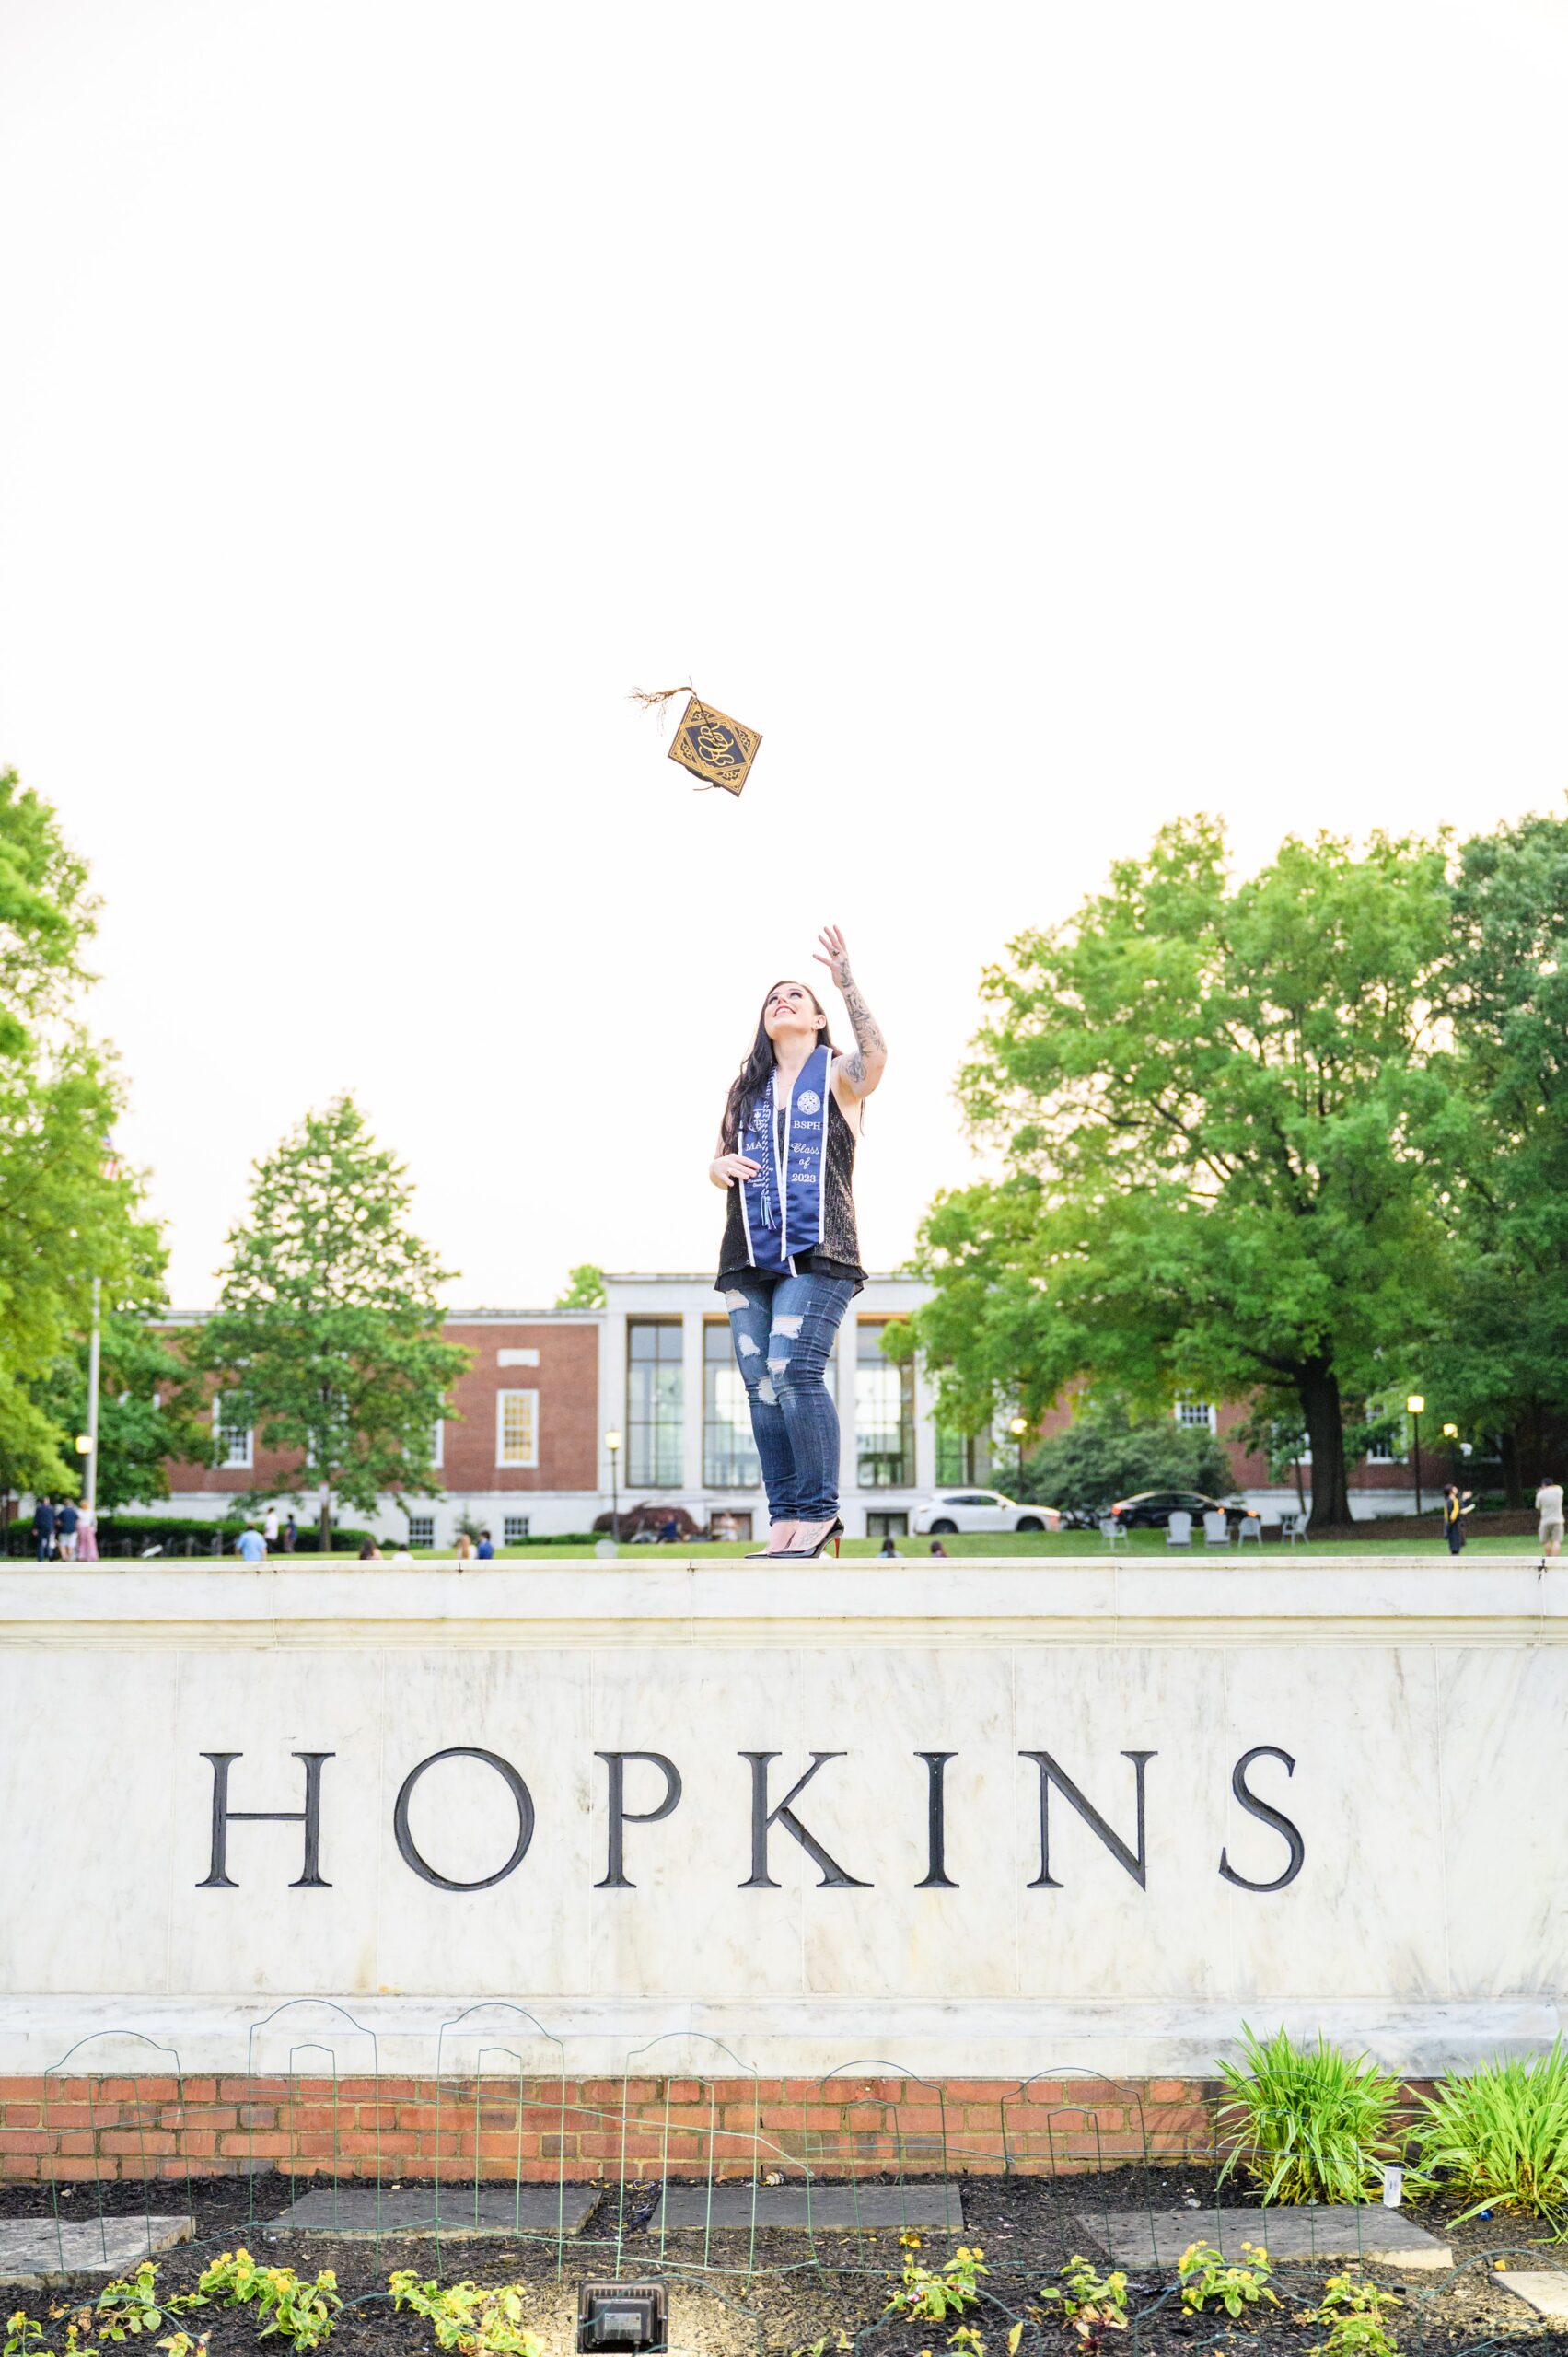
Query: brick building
[[525, 1454]]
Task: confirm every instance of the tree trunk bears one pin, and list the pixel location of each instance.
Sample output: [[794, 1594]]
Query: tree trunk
[[1317, 1386], [325, 1531], [1513, 1479]]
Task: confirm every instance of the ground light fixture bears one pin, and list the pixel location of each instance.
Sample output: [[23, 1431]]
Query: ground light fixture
[[623, 2316]]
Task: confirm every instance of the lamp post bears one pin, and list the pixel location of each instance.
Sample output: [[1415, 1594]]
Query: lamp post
[[1018, 1428], [612, 1442], [86, 1443], [1415, 1403]]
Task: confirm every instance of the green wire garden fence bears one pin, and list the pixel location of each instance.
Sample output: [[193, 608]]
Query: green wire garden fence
[[502, 2155]]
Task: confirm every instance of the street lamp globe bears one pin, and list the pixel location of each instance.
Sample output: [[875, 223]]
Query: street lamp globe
[[1415, 1403]]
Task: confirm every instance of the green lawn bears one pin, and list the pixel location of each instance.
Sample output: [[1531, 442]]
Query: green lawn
[[1145, 1544]]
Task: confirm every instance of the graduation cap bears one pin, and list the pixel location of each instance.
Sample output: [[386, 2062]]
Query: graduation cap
[[714, 747]]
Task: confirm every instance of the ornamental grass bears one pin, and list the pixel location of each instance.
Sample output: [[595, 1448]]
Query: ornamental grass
[[1307, 2123], [1501, 2135]]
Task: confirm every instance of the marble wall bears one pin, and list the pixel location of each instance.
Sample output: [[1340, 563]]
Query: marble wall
[[1417, 1847]]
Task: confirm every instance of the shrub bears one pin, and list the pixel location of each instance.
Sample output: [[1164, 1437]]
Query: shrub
[[1502, 2134], [1310, 2123]]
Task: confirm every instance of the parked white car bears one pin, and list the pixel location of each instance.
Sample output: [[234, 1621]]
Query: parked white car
[[971, 1509]]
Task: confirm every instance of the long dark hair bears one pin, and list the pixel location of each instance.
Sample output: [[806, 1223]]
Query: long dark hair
[[756, 1074]]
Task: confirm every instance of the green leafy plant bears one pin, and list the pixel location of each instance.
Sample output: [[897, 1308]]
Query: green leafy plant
[[300, 2313], [474, 2319], [936, 2293], [1208, 2280], [24, 2336], [184, 2344], [1091, 2302], [1502, 2133], [1353, 2312], [1309, 2124], [129, 2305]]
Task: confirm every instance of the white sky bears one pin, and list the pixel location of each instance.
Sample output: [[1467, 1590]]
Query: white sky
[[1037, 420]]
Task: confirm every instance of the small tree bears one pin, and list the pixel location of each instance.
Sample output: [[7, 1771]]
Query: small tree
[[584, 1288], [1107, 1452], [327, 1336]]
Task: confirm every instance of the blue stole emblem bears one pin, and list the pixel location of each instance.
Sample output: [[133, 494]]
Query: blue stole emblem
[[782, 1207]]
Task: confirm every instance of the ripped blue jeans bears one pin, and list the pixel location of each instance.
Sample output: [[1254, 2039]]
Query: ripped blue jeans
[[783, 1330]]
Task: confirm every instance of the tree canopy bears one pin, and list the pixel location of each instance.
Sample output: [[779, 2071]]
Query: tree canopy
[[1218, 1108], [327, 1335], [584, 1288], [1500, 1358]]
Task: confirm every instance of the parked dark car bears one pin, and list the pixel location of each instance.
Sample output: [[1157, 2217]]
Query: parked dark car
[[1152, 1509]]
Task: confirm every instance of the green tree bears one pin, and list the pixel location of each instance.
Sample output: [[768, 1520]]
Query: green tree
[[150, 1399], [68, 1213], [327, 1335], [1219, 1117], [1109, 1452], [1501, 1361], [584, 1288]]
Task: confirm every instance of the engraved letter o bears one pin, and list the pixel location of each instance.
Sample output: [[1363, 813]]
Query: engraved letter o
[[520, 1793]]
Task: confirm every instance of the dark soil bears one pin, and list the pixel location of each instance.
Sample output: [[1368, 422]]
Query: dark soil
[[780, 2294]]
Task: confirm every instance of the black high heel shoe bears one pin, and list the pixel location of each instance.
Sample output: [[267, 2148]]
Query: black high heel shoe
[[833, 1533]]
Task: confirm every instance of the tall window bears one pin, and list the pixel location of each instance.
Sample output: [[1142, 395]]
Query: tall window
[[729, 1456], [1196, 1415], [233, 1445], [956, 1454], [517, 1428], [884, 1412], [421, 1530], [654, 1401]]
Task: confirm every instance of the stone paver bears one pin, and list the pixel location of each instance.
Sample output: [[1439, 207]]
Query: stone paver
[[933, 2204], [35, 2250], [1142, 2238], [360, 2210], [1544, 2288]]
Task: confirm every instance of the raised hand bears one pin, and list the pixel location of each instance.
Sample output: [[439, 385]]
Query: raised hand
[[834, 954]]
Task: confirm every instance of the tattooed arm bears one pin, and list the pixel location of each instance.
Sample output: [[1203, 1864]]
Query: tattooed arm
[[861, 1069]]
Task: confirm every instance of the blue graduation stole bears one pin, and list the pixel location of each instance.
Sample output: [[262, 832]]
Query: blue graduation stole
[[782, 1207]]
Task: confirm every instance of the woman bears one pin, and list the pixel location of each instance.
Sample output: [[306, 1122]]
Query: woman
[[790, 1264], [1457, 1503]]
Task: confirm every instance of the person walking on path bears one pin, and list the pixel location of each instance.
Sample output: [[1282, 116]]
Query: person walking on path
[[789, 1264], [270, 1527], [67, 1523], [86, 1535], [290, 1536], [1549, 1506], [1456, 1504], [43, 1529]]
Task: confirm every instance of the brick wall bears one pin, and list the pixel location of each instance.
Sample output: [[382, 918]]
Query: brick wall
[[84, 2128], [565, 1377]]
